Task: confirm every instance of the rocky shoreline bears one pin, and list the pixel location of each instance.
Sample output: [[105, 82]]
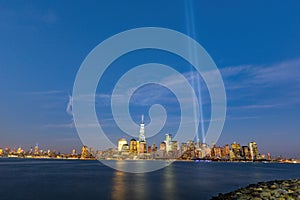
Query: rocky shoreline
[[278, 189]]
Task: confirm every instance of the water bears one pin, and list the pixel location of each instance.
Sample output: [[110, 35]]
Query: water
[[74, 179]]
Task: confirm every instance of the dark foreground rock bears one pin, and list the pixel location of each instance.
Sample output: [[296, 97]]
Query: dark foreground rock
[[278, 189]]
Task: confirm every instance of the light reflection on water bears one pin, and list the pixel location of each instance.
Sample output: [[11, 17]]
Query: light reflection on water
[[136, 166], [135, 185]]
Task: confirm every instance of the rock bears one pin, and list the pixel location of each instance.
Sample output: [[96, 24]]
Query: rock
[[256, 198], [265, 194], [255, 194], [281, 191], [278, 189], [273, 186]]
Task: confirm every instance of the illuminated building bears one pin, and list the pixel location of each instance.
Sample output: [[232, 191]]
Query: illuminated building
[[153, 148], [142, 137], [183, 147], [125, 148], [91, 151], [73, 152], [231, 155], [174, 147], [246, 152], [20, 150], [36, 149], [216, 152], [142, 146], [162, 149], [138, 147], [236, 148], [253, 150], [149, 149], [207, 150], [225, 151], [121, 142], [202, 150], [168, 142], [162, 146], [1, 151], [85, 152], [190, 143], [133, 146]]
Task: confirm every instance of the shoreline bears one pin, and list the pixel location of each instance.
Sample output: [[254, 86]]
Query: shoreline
[[276, 189], [167, 160]]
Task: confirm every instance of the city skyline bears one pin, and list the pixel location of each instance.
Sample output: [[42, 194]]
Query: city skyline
[[43, 45]]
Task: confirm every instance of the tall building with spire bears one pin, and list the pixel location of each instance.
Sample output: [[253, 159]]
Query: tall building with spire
[[142, 139]]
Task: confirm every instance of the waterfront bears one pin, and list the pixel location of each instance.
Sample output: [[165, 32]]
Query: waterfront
[[76, 179]]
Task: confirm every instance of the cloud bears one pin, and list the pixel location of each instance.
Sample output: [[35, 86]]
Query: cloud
[[255, 106], [279, 73], [70, 106], [286, 72], [65, 125], [263, 86], [47, 92]]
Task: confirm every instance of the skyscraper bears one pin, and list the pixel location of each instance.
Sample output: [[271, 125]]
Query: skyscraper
[[133, 146], [85, 152], [253, 150], [121, 142], [168, 142], [142, 139], [236, 148], [36, 149]]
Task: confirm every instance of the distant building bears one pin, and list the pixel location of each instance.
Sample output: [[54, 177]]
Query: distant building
[[168, 141], [253, 150], [73, 152], [153, 148], [142, 137], [125, 148], [183, 147], [85, 152], [203, 151], [236, 148], [142, 145], [162, 149], [246, 152], [225, 151], [20, 150], [216, 152], [36, 149], [121, 142], [133, 146], [149, 149]]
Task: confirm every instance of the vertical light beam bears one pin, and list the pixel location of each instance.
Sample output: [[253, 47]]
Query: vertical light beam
[[190, 25]]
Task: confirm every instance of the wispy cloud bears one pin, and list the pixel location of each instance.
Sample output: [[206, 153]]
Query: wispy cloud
[[256, 106], [286, 72], [46, 92], [70, 106], [263, 86], [63, 125]]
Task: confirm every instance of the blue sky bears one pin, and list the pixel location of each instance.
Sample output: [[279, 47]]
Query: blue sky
[[255, 45]]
